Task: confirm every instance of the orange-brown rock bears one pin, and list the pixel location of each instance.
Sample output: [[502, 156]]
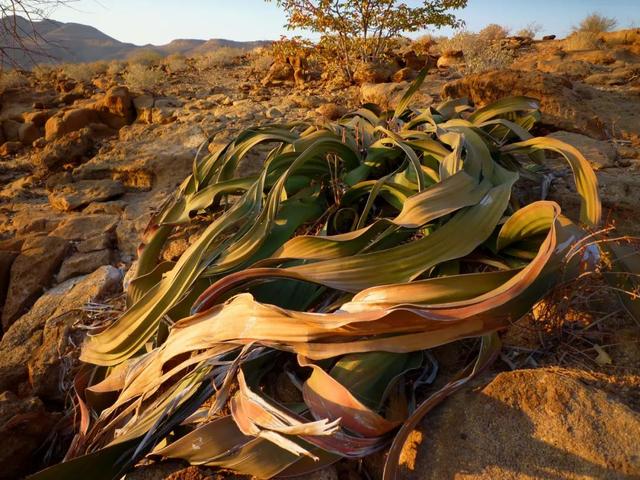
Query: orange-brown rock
[[29, 133], [544, 423], [32, 272], [71, 149], [115, 109], [70, 121], [374, 72], [564, 105], [450, 59]]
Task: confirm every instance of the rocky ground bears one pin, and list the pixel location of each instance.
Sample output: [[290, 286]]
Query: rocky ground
[[84, 165]]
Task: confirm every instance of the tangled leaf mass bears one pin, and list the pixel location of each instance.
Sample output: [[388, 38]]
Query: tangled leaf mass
[[357, 247]]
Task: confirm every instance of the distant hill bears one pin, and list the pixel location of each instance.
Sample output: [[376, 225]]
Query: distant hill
[[51, 41]]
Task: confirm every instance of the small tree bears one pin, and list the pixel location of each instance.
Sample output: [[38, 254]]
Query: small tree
[[362, 29]]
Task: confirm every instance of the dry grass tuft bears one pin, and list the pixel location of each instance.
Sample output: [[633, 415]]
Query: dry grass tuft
[[577, 323]]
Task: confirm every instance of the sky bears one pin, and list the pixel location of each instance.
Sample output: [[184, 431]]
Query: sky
[[160, 21]]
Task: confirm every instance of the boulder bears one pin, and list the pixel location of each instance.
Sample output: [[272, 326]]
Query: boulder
[[70, 121], [11, 130], [278, 72], [599, 153], [545, 423], [374, 72], [32, 271], [413, 60], [82, 227], [114, 207], [49, 366], [73, 196], [29, 133], [82, 263], [26, 424], [331, 111], [20, 347], [27, 223], [405, 74], [386, 95], [37, 117], [116, 108], [451, 58], [565, 106], [71, 148], [273, 112], [9, 148], [101, 241], [7, 258]]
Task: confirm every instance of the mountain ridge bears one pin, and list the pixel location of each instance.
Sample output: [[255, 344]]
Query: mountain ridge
[[52, 41]]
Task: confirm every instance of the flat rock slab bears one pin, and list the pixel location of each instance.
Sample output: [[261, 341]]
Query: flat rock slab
[[83, 262], [31, 272], [82, 227], [527, 424], [73, 196], [22, 344]]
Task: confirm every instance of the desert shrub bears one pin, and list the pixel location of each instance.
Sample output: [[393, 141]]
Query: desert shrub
[[493, 32], [530, 31], [10, 79], [480, 53], [596, 23], [145, 57], [354, 252], [84, 72], [176, 62], [260, 60], [579, 41], [42, 71], [220, 57], [115, 67], [140, 77]]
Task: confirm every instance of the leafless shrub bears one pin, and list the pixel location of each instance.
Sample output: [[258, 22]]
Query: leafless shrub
[[42, 71], [220, 57], [11, 79], [530, 31], [260, 60], [84, 72], [493, 32], [480, 53], [145, 57], [176, 62], [140, 77], [115, 67], [596, 23]]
